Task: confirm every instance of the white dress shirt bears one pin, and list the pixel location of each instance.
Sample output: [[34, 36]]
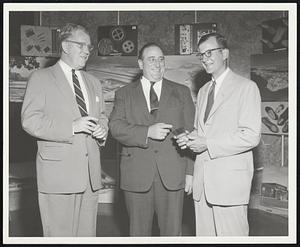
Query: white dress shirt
[[146, 89], [68, 73], [219, 81]]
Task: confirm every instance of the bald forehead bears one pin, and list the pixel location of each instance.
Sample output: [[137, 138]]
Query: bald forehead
[[79, 32], [152, 49]]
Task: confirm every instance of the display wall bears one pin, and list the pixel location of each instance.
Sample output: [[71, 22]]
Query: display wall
[[242, 29]]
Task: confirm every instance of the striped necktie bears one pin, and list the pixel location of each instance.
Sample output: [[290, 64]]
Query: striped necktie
[[153, 99], [210, 99], [79, 95]]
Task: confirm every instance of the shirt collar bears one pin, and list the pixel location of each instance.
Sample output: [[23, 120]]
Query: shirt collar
[[65, 66], [222, 76], [144, 79]]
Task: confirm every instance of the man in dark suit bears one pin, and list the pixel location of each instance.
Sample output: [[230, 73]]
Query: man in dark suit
[[154, 172], [64, 109]]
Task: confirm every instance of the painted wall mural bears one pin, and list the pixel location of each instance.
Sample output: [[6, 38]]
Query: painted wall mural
[[270, 72], [116, 72], [20, 68]]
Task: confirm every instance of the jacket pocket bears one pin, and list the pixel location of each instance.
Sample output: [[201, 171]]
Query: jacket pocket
[[51, 153]]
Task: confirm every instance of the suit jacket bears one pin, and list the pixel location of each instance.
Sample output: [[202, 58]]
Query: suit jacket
[[232, 129], [64, 161], [129, 124]]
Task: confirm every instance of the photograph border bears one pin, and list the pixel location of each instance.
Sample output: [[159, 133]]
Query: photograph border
[[292, 61]]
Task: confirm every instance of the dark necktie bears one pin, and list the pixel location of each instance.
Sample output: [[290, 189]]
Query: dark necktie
[[153, 99], [210, 99], [79, 95]]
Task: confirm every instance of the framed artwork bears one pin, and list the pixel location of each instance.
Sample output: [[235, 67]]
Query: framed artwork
[[39, 41], [117, 40], [188, 35], [275, 35], [270, 72], [274, 118]]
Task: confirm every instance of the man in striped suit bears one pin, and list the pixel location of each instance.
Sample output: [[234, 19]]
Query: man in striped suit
[[64, 109]]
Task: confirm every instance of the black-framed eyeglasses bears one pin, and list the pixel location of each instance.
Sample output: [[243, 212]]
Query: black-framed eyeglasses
[[81, 45], [208, 53]]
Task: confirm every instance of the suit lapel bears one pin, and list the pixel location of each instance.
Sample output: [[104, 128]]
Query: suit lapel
[[203, 103], [138, 94], [62, 83], [225, 90], [166, 91]]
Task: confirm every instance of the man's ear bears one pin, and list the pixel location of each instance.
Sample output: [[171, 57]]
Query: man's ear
[[141, 64], [65, 47], [225, 53]]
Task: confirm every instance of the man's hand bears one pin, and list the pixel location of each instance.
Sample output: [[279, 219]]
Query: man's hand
[[182, 140], [188, 184], [100, 132], [84, 124], [159, 131], [196, 143]]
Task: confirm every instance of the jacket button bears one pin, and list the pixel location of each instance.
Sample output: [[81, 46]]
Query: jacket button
[[86, 154], [156, 151]]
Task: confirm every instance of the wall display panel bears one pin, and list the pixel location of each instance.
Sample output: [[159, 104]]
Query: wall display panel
[[274, 118], [117, 40], [20, 68], [270, 72], [188, 35], [39, 41], [275, 35]]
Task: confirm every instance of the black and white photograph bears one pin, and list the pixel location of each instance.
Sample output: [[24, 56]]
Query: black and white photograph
[[162, 123]]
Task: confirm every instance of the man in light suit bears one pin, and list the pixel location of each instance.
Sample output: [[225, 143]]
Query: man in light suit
[[227, 126], [154, 171], [64, 109]]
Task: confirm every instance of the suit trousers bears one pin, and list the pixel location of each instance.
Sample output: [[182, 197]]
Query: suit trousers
[[69, 215], [167, 204], [216, 220]]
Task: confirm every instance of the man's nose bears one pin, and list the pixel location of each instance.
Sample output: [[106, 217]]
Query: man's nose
[[86, 50], [157, 63]]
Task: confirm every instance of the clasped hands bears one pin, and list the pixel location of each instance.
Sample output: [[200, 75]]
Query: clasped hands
[[192, 141], [91, 126]]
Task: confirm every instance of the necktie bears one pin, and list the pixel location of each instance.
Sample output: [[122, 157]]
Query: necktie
[[79, 95], [153, 99], [210, 100]]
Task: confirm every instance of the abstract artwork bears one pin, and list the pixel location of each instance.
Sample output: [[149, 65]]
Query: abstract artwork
[[275, 35], [188, 35], [274, 118], [270, 72], [117, 40], [39, 41]]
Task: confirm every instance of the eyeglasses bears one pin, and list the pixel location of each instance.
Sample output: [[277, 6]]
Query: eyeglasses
[[81, 45], [207, 53], [153, 60]]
